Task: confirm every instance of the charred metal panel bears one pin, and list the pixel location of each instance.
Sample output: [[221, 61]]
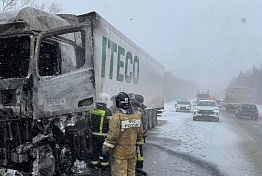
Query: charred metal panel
[[61, 94], [38, 20], [12, 83], [13, 28], [8, 97], [14, 95], [72, 19]]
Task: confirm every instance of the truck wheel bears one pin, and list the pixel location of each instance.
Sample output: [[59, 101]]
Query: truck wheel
[[45, 162], [255, 118], [149, 120], [153, 119], [154, 115], [194, 118], [66, 159], [156, 118]]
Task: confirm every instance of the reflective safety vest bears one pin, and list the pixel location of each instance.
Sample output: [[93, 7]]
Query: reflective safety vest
[[99, 119]]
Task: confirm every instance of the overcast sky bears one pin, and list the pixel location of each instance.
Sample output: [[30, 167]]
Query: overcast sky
[[205, 41]]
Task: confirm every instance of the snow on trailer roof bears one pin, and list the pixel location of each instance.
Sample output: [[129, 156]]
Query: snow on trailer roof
[[36, 19]]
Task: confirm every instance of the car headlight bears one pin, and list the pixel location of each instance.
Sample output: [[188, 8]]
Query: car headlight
[[187, 107], [216, 110]]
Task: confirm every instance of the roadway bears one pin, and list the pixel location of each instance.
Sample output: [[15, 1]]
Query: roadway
[[181, 146]]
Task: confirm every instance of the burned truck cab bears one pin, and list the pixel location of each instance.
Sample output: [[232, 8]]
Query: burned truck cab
[[46, 90]]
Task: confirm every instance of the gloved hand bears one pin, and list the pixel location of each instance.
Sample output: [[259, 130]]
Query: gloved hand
[[103, 154]]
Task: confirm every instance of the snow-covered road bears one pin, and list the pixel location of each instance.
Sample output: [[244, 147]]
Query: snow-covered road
[[221, 145]]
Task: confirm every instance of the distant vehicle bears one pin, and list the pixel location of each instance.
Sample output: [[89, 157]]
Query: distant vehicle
[[183, 105], [247, 110], [206, 110], [202, 94], [236, 96]]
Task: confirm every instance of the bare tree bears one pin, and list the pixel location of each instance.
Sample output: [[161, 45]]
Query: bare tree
[[51, 7]]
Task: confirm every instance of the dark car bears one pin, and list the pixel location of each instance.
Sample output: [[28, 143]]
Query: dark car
[[247, 110]]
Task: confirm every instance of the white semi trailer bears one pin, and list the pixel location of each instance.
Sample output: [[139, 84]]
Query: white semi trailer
[[236, 96], [52, 69], [202, 94]]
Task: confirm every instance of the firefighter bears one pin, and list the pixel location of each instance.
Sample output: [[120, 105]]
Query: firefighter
[[136, 105], [140, 100], [125, 130], [99, 119], [113, 108]]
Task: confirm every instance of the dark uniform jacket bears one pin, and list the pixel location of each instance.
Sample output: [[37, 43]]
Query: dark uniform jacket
[[99, 119]]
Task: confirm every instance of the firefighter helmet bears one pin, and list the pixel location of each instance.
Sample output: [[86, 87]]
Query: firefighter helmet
[[133, 99], [139, 98], [103, 98], [123, 101], [132, 96]]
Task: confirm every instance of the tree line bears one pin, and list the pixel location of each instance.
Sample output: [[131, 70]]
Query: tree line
[[252, 79], [176, 88]]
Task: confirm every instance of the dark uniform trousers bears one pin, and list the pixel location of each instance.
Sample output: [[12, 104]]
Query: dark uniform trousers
[[99, 119], [139, 155], [97, 142]]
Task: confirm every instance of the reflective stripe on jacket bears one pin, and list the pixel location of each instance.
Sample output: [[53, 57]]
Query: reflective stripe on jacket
[[125, 130], [99, 119]]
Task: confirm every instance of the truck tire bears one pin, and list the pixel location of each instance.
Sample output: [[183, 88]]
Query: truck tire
[[239, 116], [148, 119], [156, 118], [46, 160], [254, 118], [66, 159], [154, 115]]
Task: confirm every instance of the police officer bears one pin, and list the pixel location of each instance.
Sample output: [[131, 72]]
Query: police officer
[[99, 119], [125, 130]]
